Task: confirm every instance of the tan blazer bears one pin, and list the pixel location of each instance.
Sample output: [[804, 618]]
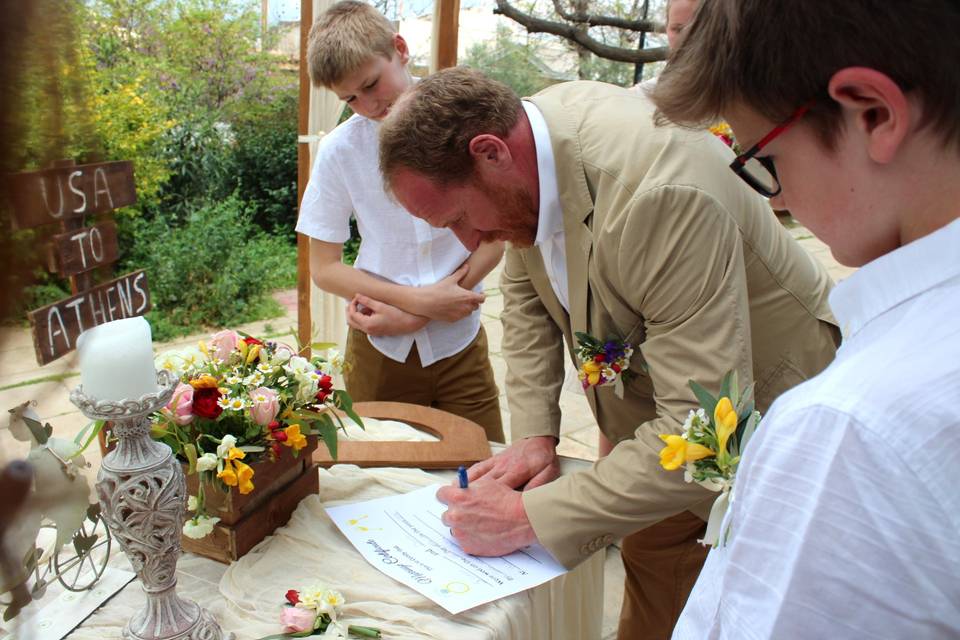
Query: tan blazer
[[669, 250]]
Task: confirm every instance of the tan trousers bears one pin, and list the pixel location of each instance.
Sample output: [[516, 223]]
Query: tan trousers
[[462, 384], [661, 564]]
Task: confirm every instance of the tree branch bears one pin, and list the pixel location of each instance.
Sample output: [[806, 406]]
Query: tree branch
[[580, 36], [640, 26]]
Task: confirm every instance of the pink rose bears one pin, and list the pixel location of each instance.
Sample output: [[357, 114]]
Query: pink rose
[[222, 344], [265, 405], [181, 404], [297, 619]]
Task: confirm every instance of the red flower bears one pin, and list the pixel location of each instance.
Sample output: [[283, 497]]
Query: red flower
[[250, 340], [325, 383], [280, 436], [599, 357], [205, 403], [616, 368], [293, 596], [277, 449], [274, 425]]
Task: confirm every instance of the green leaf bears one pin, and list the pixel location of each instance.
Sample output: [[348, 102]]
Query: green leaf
[[328, 431], [323, 346], [707, 401], [752, 423], [190, 450], [37, 430], [745, 404], [343, 401], [97, 427], [726, 384], [734, 387]]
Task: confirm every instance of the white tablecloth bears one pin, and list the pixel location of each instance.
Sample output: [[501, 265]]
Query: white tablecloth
[[246, 597]]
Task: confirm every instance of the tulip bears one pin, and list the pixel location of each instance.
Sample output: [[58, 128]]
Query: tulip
[[223, 343], [181, 404], [266, 405], [297, 620]]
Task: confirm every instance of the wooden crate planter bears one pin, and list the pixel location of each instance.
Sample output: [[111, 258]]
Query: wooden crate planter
[[247, 519]]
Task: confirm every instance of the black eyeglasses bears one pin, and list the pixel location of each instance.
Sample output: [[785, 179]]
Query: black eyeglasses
[[760, 173]]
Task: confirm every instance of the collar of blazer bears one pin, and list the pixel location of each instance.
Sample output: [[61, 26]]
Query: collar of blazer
[[575, 201]]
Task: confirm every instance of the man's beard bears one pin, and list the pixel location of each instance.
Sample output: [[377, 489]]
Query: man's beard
[[515, 212]]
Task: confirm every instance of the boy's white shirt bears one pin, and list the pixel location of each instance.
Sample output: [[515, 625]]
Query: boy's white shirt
[[395, 246], [846, 519]]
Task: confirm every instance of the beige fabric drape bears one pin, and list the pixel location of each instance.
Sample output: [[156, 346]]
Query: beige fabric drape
[[327, 311]]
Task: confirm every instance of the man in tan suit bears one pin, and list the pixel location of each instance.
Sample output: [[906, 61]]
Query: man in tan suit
[[618, 228]]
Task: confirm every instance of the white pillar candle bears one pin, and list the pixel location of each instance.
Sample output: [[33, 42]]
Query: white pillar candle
[[116, 360]]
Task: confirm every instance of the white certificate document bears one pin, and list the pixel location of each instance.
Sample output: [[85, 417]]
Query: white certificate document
[[403, 537]]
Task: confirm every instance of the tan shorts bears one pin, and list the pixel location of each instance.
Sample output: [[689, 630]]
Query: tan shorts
[[462, 384]]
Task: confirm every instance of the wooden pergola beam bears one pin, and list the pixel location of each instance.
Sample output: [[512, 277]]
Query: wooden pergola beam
[[444, 54]]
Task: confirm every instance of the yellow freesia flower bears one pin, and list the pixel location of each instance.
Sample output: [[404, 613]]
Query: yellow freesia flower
[[228, 475], [698, 452], [295, 439], [244, 477], [590, 370], [725, 420], [253, 353], [674, 454], [235, 473]]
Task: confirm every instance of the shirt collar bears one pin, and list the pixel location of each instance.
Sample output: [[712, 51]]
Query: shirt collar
[[550, 220], [894, 278]]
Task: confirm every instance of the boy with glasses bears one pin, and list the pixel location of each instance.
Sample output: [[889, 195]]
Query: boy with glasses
[[846, 521]]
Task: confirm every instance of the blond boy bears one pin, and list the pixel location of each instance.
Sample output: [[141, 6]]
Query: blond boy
[[846, 518], [415, 332]]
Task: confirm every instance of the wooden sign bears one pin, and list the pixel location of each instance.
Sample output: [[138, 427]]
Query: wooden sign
[[57, 326], [83, 249], [66, 192]]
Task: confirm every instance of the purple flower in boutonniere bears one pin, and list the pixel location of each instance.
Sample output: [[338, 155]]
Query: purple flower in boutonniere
[[603, 363]]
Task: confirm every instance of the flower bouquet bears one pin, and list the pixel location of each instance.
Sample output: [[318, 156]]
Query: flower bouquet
[[709, 448], [603, 362], [314, 611], [242, 400]]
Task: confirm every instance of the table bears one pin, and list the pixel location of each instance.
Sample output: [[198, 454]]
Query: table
[[247, 595]]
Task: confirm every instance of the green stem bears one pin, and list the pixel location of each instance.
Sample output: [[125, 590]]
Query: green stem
[[364, 632]]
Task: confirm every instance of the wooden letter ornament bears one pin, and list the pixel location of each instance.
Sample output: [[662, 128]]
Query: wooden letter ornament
[[56, 326], [84, 249], [62, 193]]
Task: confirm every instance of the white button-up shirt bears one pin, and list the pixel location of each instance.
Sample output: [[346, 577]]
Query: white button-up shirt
[[846, 517], [395, 246], [550, 236]]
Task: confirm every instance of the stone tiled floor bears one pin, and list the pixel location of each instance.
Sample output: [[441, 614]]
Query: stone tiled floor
[[49, 386]]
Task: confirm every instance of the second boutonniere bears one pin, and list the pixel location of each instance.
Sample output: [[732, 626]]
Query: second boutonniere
[[709, 449], [603, 362]]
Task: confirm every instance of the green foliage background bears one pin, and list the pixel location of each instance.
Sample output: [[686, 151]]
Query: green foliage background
[[186, 90]]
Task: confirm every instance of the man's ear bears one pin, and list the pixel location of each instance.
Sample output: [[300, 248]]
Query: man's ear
[[401, 47], [875, 107], [490, 153]]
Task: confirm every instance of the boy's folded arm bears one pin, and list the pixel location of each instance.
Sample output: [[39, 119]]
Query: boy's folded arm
[[453, 297], [330, 274]]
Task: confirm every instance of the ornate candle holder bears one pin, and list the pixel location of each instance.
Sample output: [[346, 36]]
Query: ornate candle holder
[[142, 494]]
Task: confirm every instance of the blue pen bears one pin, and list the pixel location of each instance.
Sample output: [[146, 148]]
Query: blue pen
[[462, 474]]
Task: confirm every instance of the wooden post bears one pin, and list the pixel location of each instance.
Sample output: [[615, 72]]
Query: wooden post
[[445, 30], [303, 175]]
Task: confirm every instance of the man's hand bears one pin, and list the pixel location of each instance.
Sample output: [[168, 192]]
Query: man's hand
[[446, 300], [526, 463], [377, 318], [488, 519]]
